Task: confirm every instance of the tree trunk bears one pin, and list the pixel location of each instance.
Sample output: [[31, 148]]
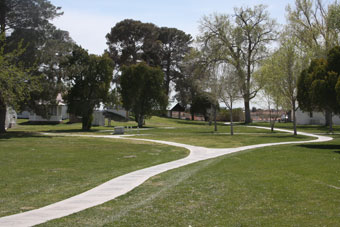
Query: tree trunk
[[289, 114], [331, 123], [167, 85], [231, 122], [140, 121], [328, 117], [192, 116], [84, 122], [247, 117], [210, 115], [3, 10], [215, 116], [271, 121], [3, 110], [272, 126], [87, 121], [167, 76], [294, 119]]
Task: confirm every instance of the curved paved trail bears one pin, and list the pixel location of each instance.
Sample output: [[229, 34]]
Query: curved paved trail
[[125, 183]]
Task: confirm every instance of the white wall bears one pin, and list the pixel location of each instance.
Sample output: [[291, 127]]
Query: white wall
[[317, 118]]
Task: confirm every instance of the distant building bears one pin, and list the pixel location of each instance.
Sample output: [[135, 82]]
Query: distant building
[[178, 111], [56, 113], [314, 118], [265, 115]]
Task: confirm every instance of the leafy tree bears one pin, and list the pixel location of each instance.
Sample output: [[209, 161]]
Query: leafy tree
[[230, 91], [317, 86], [15, 82], [28, 22], [312, 22], [142, 90], [90, 77], [26, 14], [174, 46], [188, 85], [55, 51], [132, 41], [241, 42], [279, 73], [200, 104]]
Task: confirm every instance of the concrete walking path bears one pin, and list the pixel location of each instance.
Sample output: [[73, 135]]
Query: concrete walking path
[[125, 183]]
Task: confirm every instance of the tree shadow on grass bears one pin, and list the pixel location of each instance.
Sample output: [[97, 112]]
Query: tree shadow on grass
[[322, 147], [70, 130], [19, 134]]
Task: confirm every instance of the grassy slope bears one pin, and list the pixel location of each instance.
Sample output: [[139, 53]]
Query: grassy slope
[[201, 134], [39, 170], [291, 185]]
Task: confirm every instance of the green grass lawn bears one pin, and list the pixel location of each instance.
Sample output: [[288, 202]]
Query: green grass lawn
[[291, 185], [205, 137], [279, 186], [305, 128], [196, 133], [201, 134], [39, 170]]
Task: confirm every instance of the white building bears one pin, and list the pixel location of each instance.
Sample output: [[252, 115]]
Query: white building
[[314, 118], [56, 113]]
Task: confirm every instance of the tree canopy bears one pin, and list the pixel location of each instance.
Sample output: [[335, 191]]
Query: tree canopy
[[16, 82], [142, 90], [130, 42], [318, 84], [242, 41], [90, 77]]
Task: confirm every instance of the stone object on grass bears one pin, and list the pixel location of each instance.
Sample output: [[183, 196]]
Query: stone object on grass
[[119, 130]]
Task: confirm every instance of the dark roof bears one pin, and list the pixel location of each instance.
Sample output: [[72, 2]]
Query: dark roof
[[178, 107]]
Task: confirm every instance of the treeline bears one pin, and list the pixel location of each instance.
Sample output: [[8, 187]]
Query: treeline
[[235, 57]]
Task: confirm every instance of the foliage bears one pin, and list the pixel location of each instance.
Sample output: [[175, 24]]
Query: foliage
[[224, 115], [174, 46], [142, 90], [132, 41], [16, 82], [200, 105], [241, 42], [312, 22], [90, 76], [318, 84], [188, 86], [28, 22], [280, 72], [27, 14]]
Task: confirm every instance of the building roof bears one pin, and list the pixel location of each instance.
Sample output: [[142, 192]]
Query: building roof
[[178, 107]]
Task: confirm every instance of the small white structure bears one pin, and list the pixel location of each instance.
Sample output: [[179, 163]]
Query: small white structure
[[11, 118], [98, 118], [314, 118], [56, 113]]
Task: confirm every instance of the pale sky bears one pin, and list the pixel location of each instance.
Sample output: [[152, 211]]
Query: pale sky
[[89, 21]]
